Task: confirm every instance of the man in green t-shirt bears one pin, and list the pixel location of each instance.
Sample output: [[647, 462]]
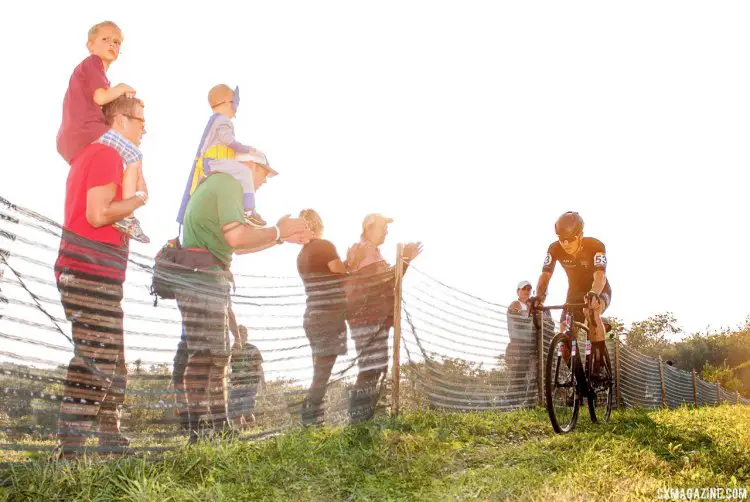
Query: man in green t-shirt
[[214, 230]]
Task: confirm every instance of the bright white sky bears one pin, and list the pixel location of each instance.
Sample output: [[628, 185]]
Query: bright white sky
[[473, 124]]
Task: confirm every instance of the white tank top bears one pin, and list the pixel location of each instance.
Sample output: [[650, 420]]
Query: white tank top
[[524, 308]]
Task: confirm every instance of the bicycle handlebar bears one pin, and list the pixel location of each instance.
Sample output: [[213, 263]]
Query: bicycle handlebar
[[566, 306]]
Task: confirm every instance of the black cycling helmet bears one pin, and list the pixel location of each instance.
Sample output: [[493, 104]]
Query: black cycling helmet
[[569, 225]]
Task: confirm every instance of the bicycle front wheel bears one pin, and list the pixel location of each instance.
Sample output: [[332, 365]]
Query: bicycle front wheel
[[601, 394], [561, 385]]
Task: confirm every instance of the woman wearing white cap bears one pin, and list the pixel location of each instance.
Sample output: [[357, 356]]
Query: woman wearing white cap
[[521, 306], [520, 353], [517, 354]]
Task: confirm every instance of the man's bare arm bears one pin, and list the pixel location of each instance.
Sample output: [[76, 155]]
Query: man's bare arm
[[245, 238], [541, 286], [600, 279], [255, 249], [336, 266], [103, 210]]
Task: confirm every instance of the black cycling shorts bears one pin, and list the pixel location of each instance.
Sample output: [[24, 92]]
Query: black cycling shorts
[[579, 297]]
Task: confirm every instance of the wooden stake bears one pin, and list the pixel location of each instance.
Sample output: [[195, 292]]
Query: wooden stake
[[663, 385], [695, 388], [397, 330], [617, 372]]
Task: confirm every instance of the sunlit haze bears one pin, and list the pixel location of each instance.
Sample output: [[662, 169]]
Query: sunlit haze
[[474, 125]]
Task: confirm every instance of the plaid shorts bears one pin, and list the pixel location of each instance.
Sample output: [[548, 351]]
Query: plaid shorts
[[97, 374]]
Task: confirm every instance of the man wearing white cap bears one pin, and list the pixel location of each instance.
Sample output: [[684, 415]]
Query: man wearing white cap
[[214, 230], [370, 298]]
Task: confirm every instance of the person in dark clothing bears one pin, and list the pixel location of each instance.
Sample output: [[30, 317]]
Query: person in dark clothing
[[324, 276], [246, 377]]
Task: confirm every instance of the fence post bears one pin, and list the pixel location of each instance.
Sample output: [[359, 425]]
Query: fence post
[[617, 371], [663, 385], [396, 375], [718, 393], [736, 397], [695, 388], [540, 360]]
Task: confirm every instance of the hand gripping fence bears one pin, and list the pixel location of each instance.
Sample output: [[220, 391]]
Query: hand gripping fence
[[74, 359]]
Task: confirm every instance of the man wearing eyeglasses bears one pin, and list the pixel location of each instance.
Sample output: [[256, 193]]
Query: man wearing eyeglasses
[[90, 272], [585, 262]]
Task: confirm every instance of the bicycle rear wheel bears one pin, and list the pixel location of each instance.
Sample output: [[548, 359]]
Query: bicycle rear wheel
[[561, 385]]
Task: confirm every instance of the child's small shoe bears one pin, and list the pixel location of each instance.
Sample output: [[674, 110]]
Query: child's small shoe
[[122, 225], [132, 227], [137, 232], [253, 218]]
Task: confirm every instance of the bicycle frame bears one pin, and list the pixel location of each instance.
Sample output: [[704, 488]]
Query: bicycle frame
[[573, 327]]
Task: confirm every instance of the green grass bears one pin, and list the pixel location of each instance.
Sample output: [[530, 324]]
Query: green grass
[[429, 456]]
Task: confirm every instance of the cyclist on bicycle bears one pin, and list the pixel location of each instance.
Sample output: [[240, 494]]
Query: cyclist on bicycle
[[585, 262]]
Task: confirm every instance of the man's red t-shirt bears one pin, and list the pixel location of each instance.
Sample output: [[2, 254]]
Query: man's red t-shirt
[[102, 251], [82, 120]]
